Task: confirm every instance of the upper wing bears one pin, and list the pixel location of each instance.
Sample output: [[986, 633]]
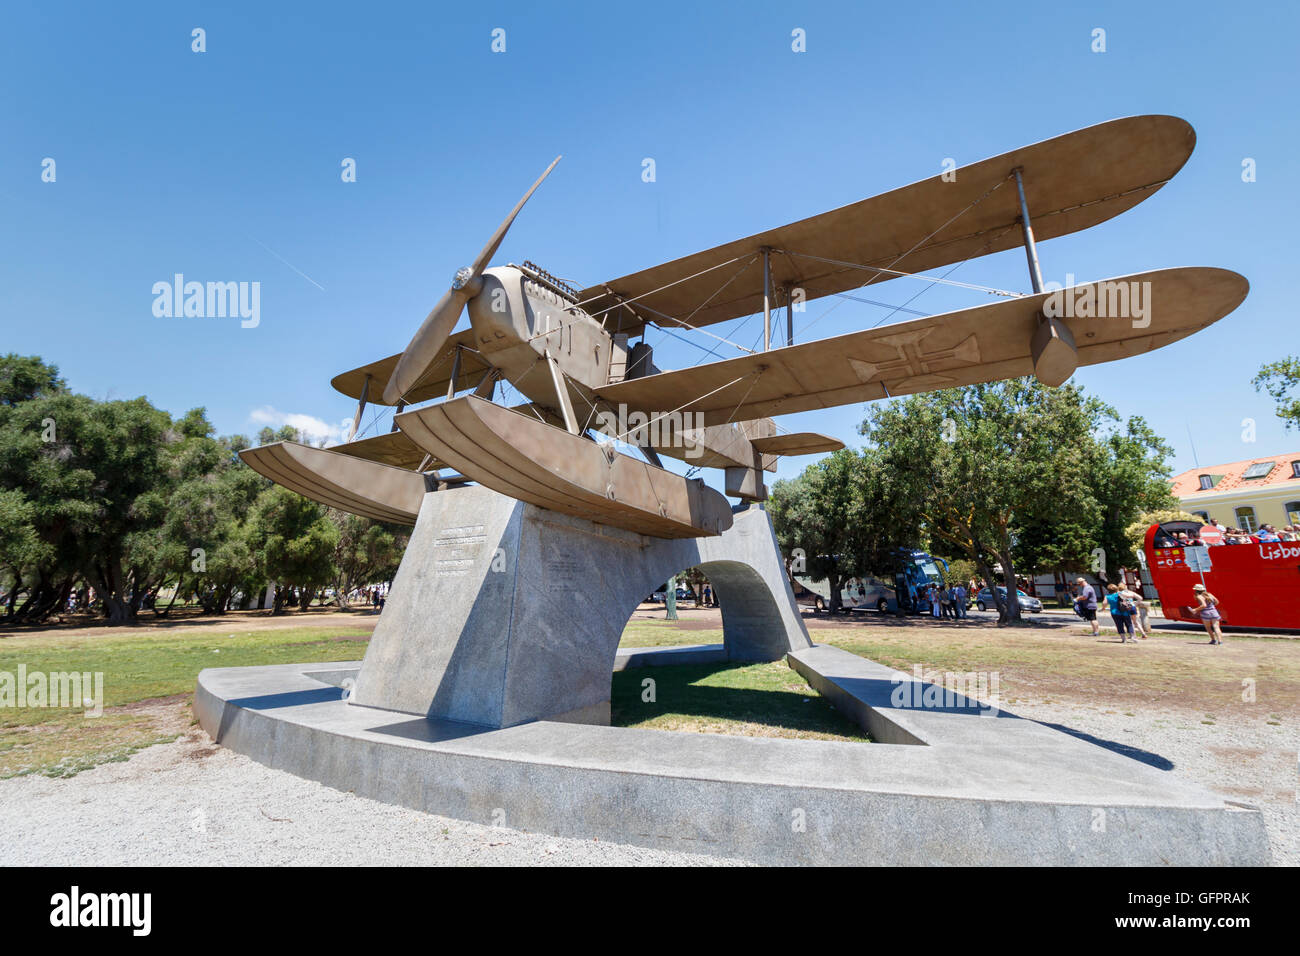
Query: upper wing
[[983, 344], [434, 383], [1071, 182]]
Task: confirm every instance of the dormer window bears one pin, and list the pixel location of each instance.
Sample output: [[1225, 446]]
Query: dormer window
[[1207, 482], [1295, 469]]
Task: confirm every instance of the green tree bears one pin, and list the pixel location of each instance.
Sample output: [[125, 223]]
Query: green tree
[[1136, 532], [204, 543], [1000, 473], [813, 516], [1130, 478], [844, 515], [294, 542], [1280, 379], [367, 552], [24, 377], [94, 475], [121, 496], [269, 435]]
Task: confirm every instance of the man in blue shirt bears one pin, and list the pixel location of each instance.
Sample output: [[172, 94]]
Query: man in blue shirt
[[1086, 602]]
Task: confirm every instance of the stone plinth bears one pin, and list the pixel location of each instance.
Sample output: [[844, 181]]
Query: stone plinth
[[502, 612]]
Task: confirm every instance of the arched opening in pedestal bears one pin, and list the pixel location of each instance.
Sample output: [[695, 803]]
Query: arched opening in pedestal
[[719, 669]]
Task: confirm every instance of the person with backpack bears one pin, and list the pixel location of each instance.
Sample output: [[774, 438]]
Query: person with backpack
[[1121, 612], [1085, 605]]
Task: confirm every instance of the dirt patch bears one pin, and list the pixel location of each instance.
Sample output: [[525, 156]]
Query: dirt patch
[[69, 744], [193, 622]]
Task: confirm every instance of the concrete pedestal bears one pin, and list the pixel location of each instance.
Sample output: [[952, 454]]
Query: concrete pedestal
[[503, 613]]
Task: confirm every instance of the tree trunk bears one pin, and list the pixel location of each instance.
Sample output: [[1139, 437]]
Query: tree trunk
[[175, 595], [833, 579], [109, 581], [1011, 613]]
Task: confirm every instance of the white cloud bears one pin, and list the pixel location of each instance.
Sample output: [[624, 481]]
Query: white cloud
[[312, 428]]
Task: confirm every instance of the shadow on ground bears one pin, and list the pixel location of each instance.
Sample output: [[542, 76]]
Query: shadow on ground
[[1124, 750], [694, 696]]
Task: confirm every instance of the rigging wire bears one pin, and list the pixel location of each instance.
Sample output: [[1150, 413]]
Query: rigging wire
[[1002, 182]]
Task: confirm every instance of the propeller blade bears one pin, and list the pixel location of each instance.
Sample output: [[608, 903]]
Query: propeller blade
[[432, 335], [426, 344], [494, 243]]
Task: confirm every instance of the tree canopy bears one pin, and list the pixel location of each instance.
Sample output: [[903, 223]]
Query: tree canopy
[[1281, 379], [123, 498], [1016, 475], [841, 517]]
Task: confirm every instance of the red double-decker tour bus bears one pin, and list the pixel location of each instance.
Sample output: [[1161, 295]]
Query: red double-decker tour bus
[[1257, 584]]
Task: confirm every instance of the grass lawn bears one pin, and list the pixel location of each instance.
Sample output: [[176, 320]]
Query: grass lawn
[[754, 700], [148, 677], [1068, 662], [666, 634]]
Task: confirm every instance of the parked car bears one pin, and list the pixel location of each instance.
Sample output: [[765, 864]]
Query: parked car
[[984, 600], [857, 594]]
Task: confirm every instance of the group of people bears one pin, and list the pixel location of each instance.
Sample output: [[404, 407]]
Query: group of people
[[1266, 532], [947, 600], [1229, 535], [1128, 609]]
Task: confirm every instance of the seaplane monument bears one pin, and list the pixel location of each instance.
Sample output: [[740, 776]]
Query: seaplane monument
[[484, 691]]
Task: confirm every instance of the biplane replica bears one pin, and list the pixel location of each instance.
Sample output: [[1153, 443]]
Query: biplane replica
[[575, 354]]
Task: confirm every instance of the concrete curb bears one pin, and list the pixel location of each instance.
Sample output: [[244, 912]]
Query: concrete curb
[[977, 790]]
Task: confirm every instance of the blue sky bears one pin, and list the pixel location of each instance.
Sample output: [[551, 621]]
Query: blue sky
[[225, 166]]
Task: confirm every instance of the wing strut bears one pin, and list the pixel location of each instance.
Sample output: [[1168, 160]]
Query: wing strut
[[1031, 250], [1055, 355], [361, 408], [562, 395], [767, 298]]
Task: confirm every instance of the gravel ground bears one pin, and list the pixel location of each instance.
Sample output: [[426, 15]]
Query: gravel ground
[[189, 803], [1250, 762]]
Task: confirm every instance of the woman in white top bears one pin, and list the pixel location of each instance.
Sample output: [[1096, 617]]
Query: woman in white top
[[1142, 607]]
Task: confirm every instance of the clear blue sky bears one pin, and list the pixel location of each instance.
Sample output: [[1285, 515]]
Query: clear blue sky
[[225, 165]]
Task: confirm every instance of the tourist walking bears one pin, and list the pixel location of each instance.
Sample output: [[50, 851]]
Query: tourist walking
[[1121, 612], [1207, 608], [933, 595], [959, 595], [1085, 605], [1141, 606]]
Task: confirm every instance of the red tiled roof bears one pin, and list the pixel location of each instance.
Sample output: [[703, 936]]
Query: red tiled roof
[[1188, 484]]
